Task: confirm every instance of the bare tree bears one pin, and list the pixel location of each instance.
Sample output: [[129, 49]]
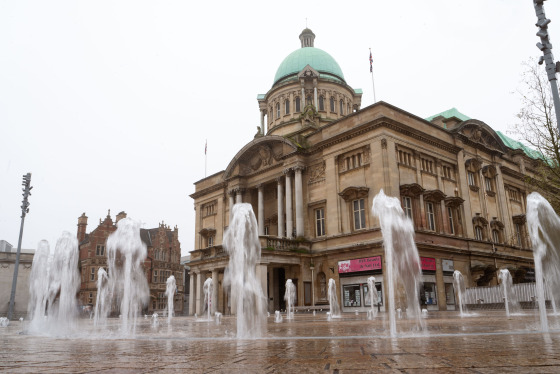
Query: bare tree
[[537, 128]]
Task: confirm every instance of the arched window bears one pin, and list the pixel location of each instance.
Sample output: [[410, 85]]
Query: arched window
[[332, 104], [287, 106], [321, 103], [277, 110], [298, 105], [341, 107], [496, 236]]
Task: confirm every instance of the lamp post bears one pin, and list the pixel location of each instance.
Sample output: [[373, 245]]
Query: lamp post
[[545, 46], [312, 267], [24, 210]]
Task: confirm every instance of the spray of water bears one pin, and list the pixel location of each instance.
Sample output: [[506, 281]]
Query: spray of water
[[510, 299], [459, 285], [372, 312], [290, 297], [126, 253], [333, 300], [103, 300], [208, 289], [241, 242], [543, 225], [58, 286], [170, 289], [401, 257]]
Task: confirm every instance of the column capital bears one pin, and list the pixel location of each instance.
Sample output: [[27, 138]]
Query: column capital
[[287, 171], [279, 180], [259, 186], [298, 167]]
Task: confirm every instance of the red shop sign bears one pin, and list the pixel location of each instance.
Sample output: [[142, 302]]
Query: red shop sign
[[360, 264], [428, 263]]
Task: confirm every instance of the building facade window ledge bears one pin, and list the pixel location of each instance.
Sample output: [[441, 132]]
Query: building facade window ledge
[[474, 188]]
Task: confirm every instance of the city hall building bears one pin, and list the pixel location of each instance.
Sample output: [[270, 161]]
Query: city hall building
[[311, 174]]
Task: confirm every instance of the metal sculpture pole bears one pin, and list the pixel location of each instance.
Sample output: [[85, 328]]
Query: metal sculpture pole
[[24, 210], [545, 46]]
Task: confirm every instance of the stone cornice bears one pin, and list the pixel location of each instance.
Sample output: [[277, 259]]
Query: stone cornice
[[387, 123], [512, 173], [205, 191]]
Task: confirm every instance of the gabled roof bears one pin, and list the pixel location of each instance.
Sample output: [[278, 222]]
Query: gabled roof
[[450, 113], [514, 144]]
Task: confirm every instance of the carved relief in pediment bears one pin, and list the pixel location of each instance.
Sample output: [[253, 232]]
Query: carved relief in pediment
[[478, 134]]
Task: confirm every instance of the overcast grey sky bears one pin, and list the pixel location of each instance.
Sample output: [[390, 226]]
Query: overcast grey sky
[[109, 103]]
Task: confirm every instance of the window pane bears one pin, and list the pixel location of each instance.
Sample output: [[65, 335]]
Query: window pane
[[351, 295]]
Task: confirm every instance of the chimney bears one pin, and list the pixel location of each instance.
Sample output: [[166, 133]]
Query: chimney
[[120, 216], [82, 224]]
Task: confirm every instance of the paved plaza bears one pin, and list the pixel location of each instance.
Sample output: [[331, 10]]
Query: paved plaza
[[484, 343]]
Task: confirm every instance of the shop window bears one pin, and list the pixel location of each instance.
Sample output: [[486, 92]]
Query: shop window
[[431, 217], [429, 293], [359, 214], [332, 104], [298, 105], [377, 297], [100, 250], [407, 206], [351, 295], [449, 294], [320, 222], [287, 106], [321, 103]]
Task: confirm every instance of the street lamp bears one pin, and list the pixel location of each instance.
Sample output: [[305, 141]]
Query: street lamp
[[545, 46], [26, 183]]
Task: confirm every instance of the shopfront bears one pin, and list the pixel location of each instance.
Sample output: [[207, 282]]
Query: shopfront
[[354, 286]]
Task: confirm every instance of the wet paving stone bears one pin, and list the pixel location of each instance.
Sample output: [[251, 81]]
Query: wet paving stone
[[483, 343]]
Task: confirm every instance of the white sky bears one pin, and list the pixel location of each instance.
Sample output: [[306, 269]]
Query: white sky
[[109, 103]]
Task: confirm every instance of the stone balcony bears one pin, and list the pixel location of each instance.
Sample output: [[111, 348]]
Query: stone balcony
[[268, 243]]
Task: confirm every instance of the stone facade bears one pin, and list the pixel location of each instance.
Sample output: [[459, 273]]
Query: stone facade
[[7, 262], [311, 186], [164, 254]]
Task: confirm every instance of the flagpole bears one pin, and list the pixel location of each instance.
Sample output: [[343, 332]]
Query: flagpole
[[371, 71]]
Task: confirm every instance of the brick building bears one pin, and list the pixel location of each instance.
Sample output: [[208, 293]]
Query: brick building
[[163, 260]]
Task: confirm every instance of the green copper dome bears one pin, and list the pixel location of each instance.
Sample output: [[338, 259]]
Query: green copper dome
[[315, 57]]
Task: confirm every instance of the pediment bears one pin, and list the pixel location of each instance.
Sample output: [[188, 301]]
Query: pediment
[[480, 134], [412, 189], [353, 193], [308, 72], [259, 154]]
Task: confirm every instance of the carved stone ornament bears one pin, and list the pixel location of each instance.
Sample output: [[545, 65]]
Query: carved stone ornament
[[412, 189], [353, 193], [317, 172], [434, 196], [519, 219], [262, 157], [309, 116], [453, 201]]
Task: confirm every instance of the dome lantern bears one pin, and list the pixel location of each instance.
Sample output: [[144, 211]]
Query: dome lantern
[[307, 38]]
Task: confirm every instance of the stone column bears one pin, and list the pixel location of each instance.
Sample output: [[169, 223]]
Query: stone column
[[214, 291], [199, 296], [192, 288], [231, 202], [299, 201], [280, 208], [263, 128], [289, 209], [261, 209], [261, 276], [315, 93]]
